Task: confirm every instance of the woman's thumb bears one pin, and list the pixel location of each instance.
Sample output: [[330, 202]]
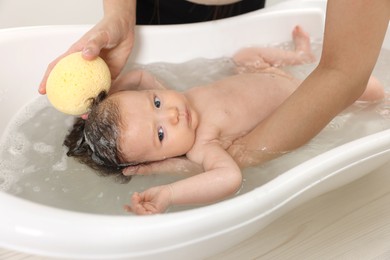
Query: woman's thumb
[[94, 45]]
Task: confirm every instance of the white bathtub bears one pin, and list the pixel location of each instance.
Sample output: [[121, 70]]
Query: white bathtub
[[34, 228]]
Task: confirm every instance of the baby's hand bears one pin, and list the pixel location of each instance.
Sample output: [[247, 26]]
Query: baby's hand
[[152, 201]]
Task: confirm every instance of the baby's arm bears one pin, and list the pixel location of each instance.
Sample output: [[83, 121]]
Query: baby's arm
[[221, 179], [257, 58], [135, 80], [176, 165]]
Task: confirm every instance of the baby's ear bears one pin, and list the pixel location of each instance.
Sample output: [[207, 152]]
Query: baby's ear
[[84, 116]]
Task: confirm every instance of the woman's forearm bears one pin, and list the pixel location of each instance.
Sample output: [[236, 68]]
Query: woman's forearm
[[354, 33], [125, 10]]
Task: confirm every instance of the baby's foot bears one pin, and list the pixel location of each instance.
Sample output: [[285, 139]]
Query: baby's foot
[[302, 44]]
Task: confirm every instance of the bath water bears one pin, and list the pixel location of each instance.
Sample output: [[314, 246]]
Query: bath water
[[34, 165]]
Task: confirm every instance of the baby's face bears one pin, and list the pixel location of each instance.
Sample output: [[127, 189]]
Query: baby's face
[[156, 124]]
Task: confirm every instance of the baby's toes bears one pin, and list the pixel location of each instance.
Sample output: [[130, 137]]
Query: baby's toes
[[300, 34], [301, 40]]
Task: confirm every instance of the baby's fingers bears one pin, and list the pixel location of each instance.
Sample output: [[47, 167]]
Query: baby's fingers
[[127, 208], [136, 205], [137, 209], [135, 200], [150, 208]]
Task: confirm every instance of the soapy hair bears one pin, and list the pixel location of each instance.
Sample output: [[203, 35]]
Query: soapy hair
[[94, 141]]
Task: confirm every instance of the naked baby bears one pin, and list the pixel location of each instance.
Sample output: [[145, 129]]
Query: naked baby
[[142, 127]]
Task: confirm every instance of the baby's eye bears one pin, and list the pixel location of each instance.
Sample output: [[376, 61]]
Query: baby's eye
[[160, 133], [157, 102]]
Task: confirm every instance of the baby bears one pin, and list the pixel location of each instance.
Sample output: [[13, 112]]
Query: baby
[[142, 127]]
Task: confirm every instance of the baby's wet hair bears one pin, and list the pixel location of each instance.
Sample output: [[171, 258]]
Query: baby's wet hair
[[94, 141]]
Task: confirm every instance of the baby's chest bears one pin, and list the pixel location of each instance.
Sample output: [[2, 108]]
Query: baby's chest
[[232, 117], [224, 127]]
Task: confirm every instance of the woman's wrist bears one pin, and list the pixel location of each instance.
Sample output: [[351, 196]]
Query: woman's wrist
[[123, 10]]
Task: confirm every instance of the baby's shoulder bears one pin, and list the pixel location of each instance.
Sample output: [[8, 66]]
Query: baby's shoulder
[[204, 142], [195, 154]]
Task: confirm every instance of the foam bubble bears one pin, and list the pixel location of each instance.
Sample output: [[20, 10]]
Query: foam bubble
[[43, 148], [29, 169], [18, 144], [29, 111], [7, 179], [69, 121], [61, 165]]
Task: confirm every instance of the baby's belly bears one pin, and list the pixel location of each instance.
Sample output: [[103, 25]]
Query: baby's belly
[[256, 98]]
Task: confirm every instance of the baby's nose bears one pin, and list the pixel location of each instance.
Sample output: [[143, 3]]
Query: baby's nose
[[172, 115]]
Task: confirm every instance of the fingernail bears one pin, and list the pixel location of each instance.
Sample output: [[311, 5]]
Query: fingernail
[[87, 52], [41, 90]]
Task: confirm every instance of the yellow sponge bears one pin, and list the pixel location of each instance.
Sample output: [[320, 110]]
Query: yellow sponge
[[74, 80]]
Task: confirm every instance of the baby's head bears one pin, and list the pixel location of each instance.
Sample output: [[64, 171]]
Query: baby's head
[[130, 128], [94, 141]]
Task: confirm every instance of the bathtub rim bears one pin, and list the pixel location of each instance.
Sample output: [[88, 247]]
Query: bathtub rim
[[374, 145], [117, 222]]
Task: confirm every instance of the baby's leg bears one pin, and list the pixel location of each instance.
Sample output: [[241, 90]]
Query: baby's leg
[[257, 58], [374, 91], [303, 53]]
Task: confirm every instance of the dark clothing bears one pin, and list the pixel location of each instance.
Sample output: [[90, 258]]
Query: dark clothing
[[181, 11]]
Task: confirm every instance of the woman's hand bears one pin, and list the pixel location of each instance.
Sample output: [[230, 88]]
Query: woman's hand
[[111, 39]]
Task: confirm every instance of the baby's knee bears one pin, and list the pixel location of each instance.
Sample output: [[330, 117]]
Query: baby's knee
[[250, 60], [374, 90]]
